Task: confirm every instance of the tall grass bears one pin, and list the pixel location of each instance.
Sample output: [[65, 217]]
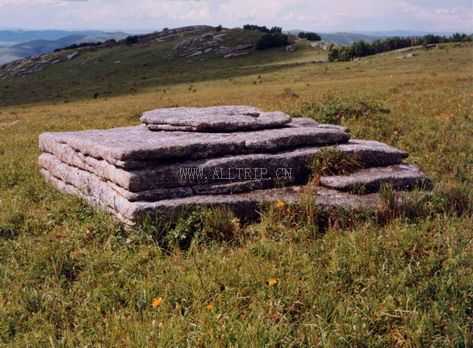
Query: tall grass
[[72, 276]]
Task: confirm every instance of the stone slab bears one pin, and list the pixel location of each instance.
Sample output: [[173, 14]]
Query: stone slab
[[372, 153], [63, 172], [98, 193], [290, 167], [400, 177], [132, 147], [217, 119]]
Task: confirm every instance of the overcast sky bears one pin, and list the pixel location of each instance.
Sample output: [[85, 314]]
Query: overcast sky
[[317, 15]]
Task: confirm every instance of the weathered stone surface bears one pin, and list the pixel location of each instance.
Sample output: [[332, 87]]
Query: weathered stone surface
[[63, 172], [96, 192], [222, 156], [399, 177], [130, 147], [372, 153], [289, 167], [304, 122], [218, 119], [298, 122]]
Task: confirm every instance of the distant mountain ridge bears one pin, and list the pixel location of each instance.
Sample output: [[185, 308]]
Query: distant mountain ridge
[[20, 36], [342, 38], [22, 44], [348, 38]]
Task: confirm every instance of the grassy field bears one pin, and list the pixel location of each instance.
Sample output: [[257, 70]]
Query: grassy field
[[71, 276]]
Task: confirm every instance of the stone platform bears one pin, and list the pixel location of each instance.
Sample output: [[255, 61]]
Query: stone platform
[[234, 156]]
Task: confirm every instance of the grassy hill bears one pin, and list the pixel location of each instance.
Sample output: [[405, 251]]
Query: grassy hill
[[125, 69], [22, 44], [71, 276]]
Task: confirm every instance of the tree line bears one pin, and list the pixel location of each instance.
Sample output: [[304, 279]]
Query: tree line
[[273, 37], [362, 49], [262, 29], [309, 36]]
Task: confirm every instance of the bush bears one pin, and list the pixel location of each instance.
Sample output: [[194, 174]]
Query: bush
[[309, 36], [263, 29], [272, 40], [130, 40]]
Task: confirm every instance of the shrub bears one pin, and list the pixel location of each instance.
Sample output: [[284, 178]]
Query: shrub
[[309, 36], [130, 40], [333, 54], [263, 29], [272, 40]]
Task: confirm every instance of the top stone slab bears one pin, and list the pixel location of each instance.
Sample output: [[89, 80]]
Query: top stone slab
[[236, 118], [133, 147]]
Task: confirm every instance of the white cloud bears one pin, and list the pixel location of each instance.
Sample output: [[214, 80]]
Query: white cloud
[[318, 15]]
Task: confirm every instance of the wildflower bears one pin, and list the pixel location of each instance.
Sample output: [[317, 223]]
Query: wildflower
[[272, 282], [156, 303], [280, 204], [210, 306]]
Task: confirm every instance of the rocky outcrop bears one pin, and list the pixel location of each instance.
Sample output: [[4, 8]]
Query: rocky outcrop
[[190, 41], [211, 42], [32, 65], [234, 156]]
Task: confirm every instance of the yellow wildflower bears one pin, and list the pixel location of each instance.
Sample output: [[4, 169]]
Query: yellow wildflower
[[210, 306], [280, 204], [157, 302], [272, 282]]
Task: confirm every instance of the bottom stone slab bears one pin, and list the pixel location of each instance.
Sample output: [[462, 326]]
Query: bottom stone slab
[[246, 205]]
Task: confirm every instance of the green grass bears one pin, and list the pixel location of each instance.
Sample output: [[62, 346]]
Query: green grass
[[71, 276]]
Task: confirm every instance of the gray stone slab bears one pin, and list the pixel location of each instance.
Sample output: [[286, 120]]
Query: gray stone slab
[[62, 171], [220, 119], [309, 122], [98, 193], [290, 166], [372, 153], [303, 122], [399, 177], [136, 146]]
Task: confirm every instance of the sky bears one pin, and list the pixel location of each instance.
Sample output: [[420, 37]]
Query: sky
[[316, 15]]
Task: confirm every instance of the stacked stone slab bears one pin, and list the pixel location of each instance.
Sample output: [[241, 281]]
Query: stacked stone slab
[[233, 156]]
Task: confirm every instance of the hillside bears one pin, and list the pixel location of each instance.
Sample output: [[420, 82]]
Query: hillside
[[163, 58], [72, 276], [21, 44]]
